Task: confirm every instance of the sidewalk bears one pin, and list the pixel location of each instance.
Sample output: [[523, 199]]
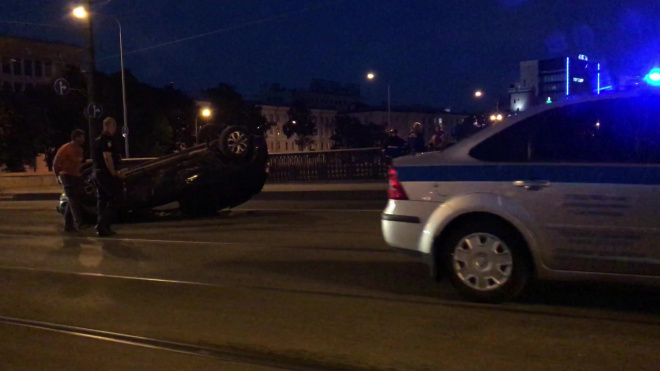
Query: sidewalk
[[270, 191]]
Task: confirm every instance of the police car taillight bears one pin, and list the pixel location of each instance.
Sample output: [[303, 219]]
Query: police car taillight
[[395, 191]]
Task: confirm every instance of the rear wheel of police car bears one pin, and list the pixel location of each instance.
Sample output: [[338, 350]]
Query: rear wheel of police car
[[486, 261]]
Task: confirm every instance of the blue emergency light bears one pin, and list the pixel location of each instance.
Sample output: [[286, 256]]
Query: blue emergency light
[[653, 78]]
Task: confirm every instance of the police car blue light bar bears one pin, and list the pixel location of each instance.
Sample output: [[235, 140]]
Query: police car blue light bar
[[653, 78]]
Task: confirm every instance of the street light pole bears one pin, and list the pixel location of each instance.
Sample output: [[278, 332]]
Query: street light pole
[[205, 112], [372, 76], [123, 91], [90, 70], [84, 12], [389, 106]]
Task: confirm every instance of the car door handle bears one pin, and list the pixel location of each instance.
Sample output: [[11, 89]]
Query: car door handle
[[532, 185]]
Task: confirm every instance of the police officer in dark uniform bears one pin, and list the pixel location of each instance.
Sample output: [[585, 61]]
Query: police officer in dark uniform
[[109, 186]]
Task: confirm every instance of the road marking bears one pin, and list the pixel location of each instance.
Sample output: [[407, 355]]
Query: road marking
[[504, 308], [223, 353], [199, 243]]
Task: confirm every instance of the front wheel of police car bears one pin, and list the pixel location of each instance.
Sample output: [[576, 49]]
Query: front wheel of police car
[[486, 261]]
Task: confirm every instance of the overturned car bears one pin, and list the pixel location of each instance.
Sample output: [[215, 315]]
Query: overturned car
[[228, 168]]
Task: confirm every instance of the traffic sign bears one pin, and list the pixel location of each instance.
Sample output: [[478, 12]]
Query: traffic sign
[[62, 86], [94, 111]]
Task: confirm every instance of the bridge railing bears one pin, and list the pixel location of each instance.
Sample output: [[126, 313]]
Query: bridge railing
[[336, 165]]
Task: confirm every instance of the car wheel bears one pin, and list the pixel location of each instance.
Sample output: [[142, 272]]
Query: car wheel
[[486, 262], [235, 142]]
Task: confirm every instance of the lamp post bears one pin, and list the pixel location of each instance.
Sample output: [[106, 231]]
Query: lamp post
[[82, 13], [204, 112], [372, 76]]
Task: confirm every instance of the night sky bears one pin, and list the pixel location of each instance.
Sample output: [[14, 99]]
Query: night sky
[[431, 51]]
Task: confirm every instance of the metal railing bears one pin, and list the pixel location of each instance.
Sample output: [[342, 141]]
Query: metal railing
[[336, 165]]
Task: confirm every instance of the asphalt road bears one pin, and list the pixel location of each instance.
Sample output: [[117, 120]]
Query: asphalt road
[[283, 284]]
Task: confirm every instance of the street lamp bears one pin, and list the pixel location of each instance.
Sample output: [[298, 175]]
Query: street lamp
[[372, 76], [478, 94], [205, 113], [81, 13]]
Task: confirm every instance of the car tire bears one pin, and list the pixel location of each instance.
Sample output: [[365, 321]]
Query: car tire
[[486, 261], [235, 142]]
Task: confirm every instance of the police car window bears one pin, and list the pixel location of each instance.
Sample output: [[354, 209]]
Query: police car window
[[648, 115], [605, 131], [511, 144]]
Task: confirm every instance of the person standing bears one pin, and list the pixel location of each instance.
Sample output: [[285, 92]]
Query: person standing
[[394, 146], [416, 143], [109, 185], [438, 140], [66, 165]]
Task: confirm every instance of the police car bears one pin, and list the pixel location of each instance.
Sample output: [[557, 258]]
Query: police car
[[568, 191]]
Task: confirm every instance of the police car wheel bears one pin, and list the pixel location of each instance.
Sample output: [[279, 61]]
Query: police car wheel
[[486, 262]]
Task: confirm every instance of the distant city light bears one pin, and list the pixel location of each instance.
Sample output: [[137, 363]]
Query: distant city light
[[549, 100], [568, 76], [598, 86]]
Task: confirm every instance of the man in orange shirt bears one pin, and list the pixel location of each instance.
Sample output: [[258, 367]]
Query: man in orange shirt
[[66, 165]]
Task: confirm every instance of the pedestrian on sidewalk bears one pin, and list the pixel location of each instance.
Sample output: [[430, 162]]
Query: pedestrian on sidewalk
[[66, 166], [438, 141], [394, 146], [416, 142], [109, 185]]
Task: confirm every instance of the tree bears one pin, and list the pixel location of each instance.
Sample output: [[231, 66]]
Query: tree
[[229, 108], [300, 124], [351, 133], [158, 118]]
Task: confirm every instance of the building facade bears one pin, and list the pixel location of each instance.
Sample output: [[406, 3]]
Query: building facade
[[27, 63], [550, 80], [278, 116], [320, 93], [403, 121]]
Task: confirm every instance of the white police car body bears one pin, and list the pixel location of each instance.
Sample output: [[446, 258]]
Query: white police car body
[[568, 191]]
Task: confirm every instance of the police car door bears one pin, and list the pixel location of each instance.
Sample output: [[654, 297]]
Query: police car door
[[596, 201]]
